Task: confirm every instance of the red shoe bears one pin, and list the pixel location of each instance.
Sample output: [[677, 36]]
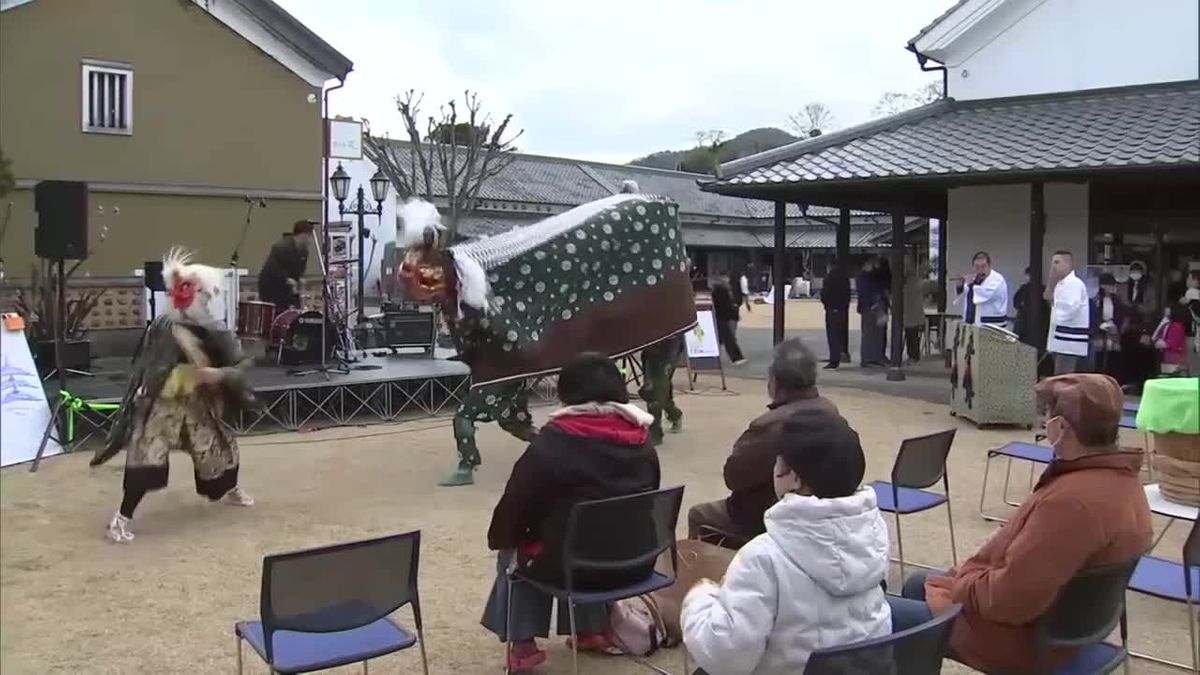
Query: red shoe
[[525, 656], [592, 642]]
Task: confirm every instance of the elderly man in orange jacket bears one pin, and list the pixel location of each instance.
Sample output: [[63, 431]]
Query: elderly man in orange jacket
[[1088, 510]]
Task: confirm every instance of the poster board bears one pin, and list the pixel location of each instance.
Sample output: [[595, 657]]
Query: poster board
[[703, 347], [24, 410]]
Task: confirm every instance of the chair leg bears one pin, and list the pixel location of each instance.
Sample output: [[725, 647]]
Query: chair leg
[[1007, 482], [365, 671], [574, 636], [953, 545], [239, 653], [1124, 625], [508, 644], [900, 547], [425, 657], [987, 465], [1193, 618]]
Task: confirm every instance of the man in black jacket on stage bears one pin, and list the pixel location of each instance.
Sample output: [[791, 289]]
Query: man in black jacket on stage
[[835, 295], [279, 279]]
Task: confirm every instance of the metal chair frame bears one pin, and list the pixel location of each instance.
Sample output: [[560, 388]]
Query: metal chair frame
[[267, 616], [570, 563], [1191, 560], [987, 466], [895, 486]]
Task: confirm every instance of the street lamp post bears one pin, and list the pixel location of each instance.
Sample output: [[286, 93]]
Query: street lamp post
[[340, 182]]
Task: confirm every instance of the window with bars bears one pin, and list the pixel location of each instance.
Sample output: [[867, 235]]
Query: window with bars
[[107, 98]]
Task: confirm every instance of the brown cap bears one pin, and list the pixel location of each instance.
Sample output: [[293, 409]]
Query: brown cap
[[1091, 403]]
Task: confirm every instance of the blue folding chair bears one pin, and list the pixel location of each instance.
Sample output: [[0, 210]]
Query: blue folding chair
[[1082, 617], [652, 514], [1175, 582], [1029, 452], [327, 607], [920, 464], [916, 651]]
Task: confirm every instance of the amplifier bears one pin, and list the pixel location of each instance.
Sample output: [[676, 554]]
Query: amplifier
[[407, 329]]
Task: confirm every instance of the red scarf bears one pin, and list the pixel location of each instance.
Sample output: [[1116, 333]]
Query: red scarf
[[612, 427]]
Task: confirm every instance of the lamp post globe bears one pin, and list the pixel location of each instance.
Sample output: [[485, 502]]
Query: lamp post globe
[[379, 186], [340, 181]]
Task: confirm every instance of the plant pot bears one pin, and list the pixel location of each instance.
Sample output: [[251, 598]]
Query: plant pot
[[77, 355]]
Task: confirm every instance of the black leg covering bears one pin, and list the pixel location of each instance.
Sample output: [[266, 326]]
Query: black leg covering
[[215, 488]]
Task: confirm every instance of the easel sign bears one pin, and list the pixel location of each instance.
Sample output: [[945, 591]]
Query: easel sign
[[23, 407], [703, 348]]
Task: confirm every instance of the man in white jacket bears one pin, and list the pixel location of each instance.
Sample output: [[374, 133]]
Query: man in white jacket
[[813, 580], [1070, 318], [984, 293]]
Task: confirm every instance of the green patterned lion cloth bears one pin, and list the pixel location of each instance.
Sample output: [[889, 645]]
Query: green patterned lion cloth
[[610, 277]]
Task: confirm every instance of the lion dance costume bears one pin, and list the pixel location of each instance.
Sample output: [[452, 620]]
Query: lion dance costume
[[609, 276], [187, 375]]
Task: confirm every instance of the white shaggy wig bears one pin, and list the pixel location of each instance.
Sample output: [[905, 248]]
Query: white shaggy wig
[[178, 266], [417, 216]]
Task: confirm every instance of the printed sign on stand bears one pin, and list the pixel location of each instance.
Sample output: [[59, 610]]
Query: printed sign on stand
[[24, 411], [703, 347]]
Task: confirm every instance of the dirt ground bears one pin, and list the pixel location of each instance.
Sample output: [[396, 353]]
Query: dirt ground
[[71, 602]]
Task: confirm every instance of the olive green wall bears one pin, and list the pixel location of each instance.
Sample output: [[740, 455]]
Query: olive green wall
[[210, 110], [148, 225]]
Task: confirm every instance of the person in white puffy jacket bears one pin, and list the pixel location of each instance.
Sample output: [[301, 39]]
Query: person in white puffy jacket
[[813, 580]]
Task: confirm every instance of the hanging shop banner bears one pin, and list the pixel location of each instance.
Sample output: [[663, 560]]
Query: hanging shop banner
[[24, 412]]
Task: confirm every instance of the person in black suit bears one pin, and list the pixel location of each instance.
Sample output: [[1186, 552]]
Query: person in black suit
[[835, 296]]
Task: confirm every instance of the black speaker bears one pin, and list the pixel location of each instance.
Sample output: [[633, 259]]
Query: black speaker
[[152, 275], [62, 229], [408, 329], [303, 342]]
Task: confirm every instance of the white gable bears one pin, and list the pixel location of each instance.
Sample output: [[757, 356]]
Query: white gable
[[251, 28], [995, 48]]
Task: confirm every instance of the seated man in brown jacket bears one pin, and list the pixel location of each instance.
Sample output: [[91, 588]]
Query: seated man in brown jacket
[[1088, 510], [749, 471]]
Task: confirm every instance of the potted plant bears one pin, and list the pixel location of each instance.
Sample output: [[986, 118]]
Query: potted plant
[[38, 309]]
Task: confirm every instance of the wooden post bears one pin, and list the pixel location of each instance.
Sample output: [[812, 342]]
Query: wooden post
[[1037, 236], [943, 291], [779, 269], [843, 258], [896, 372]]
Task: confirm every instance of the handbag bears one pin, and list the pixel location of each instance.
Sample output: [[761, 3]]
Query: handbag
[[636, 626], [697, 560]]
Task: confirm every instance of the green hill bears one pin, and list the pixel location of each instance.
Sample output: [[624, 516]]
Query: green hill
[[698, 159]]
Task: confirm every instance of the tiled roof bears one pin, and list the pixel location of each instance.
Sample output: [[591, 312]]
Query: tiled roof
[[1145, 126], [941, 17], [568, 182]]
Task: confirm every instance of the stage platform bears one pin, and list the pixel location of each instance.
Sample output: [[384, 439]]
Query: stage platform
[[377, 389]]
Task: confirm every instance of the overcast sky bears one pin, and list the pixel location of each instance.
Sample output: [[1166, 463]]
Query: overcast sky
[[615, 80]]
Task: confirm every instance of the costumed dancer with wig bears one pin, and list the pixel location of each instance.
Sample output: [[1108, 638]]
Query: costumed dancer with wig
[[187, 375]]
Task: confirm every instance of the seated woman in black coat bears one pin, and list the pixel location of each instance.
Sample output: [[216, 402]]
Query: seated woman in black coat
[[597, 446]]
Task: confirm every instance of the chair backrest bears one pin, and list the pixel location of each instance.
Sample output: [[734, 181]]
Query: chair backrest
[[921, 461], [1087, 608], [610, 536], [340, 587], [915, 651], [1191, 556]]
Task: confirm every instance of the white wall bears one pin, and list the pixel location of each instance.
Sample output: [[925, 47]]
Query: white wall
[[995, 218], [1065, 45], [383, 229]]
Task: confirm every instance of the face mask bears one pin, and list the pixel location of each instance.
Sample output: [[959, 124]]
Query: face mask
[[1054, 432], [1136, 276]]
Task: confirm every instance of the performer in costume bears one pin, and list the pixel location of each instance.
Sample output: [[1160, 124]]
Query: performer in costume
[[186, 376], [610, 276]]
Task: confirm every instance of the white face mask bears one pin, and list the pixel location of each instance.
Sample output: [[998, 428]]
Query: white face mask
[[1054, 432], [1136, 276]]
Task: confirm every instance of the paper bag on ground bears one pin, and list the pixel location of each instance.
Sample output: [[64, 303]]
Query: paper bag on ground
[[697, 560]]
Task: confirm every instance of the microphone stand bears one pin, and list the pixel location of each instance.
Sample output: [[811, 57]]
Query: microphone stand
[[237, 248], [342, 366]]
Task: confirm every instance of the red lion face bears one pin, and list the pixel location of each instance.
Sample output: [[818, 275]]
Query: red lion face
[[182, 294], [427, 275]]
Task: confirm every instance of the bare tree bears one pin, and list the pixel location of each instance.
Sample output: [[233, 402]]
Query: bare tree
[[893, 102], [812, 120], [448, 159]]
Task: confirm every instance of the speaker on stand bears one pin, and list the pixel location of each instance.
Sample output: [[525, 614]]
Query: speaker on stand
[[61, 234]]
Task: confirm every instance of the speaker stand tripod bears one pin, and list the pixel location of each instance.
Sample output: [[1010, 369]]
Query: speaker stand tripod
[[343, 345], [56, 423]]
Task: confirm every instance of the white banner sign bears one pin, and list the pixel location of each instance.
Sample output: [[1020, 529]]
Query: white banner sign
[[24, 412], [345, 139], [702, 340]]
